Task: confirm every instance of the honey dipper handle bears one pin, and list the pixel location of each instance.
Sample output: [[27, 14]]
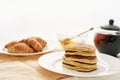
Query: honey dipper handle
[[82, 33]]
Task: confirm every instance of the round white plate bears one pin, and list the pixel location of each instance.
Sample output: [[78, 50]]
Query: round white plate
[[107, 65], [49, 48]]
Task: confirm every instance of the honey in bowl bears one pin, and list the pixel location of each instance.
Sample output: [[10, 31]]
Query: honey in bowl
[[67, 41]]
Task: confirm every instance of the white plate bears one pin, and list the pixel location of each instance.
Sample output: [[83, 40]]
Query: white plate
[[49, 48], [107, 65]]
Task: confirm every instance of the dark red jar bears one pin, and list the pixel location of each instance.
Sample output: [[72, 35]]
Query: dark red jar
[[107, 39]]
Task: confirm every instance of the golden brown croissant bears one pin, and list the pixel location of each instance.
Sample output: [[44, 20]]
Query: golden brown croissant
[[34, 44], [41, 41], [20, 48], [11, 44]]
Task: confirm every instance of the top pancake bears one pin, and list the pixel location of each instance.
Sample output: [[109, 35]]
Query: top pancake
[[80, 48]]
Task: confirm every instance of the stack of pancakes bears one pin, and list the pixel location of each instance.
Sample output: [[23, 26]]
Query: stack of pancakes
[[80, 57]]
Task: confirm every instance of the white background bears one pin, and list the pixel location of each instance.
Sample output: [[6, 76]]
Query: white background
[[21, 18]]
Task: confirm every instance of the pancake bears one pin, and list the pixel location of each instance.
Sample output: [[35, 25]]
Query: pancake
[[80, 47], [79, 68], [84, 60], [80, 57], [81, 64]]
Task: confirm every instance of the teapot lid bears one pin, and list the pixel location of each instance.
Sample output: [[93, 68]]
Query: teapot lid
[[111, 26]]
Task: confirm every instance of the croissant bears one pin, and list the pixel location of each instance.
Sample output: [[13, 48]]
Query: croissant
[[11, 44], [20, 48], [41, 41], [34, 44]]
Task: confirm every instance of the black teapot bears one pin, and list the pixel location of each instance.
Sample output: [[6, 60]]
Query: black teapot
[[107, 39]]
